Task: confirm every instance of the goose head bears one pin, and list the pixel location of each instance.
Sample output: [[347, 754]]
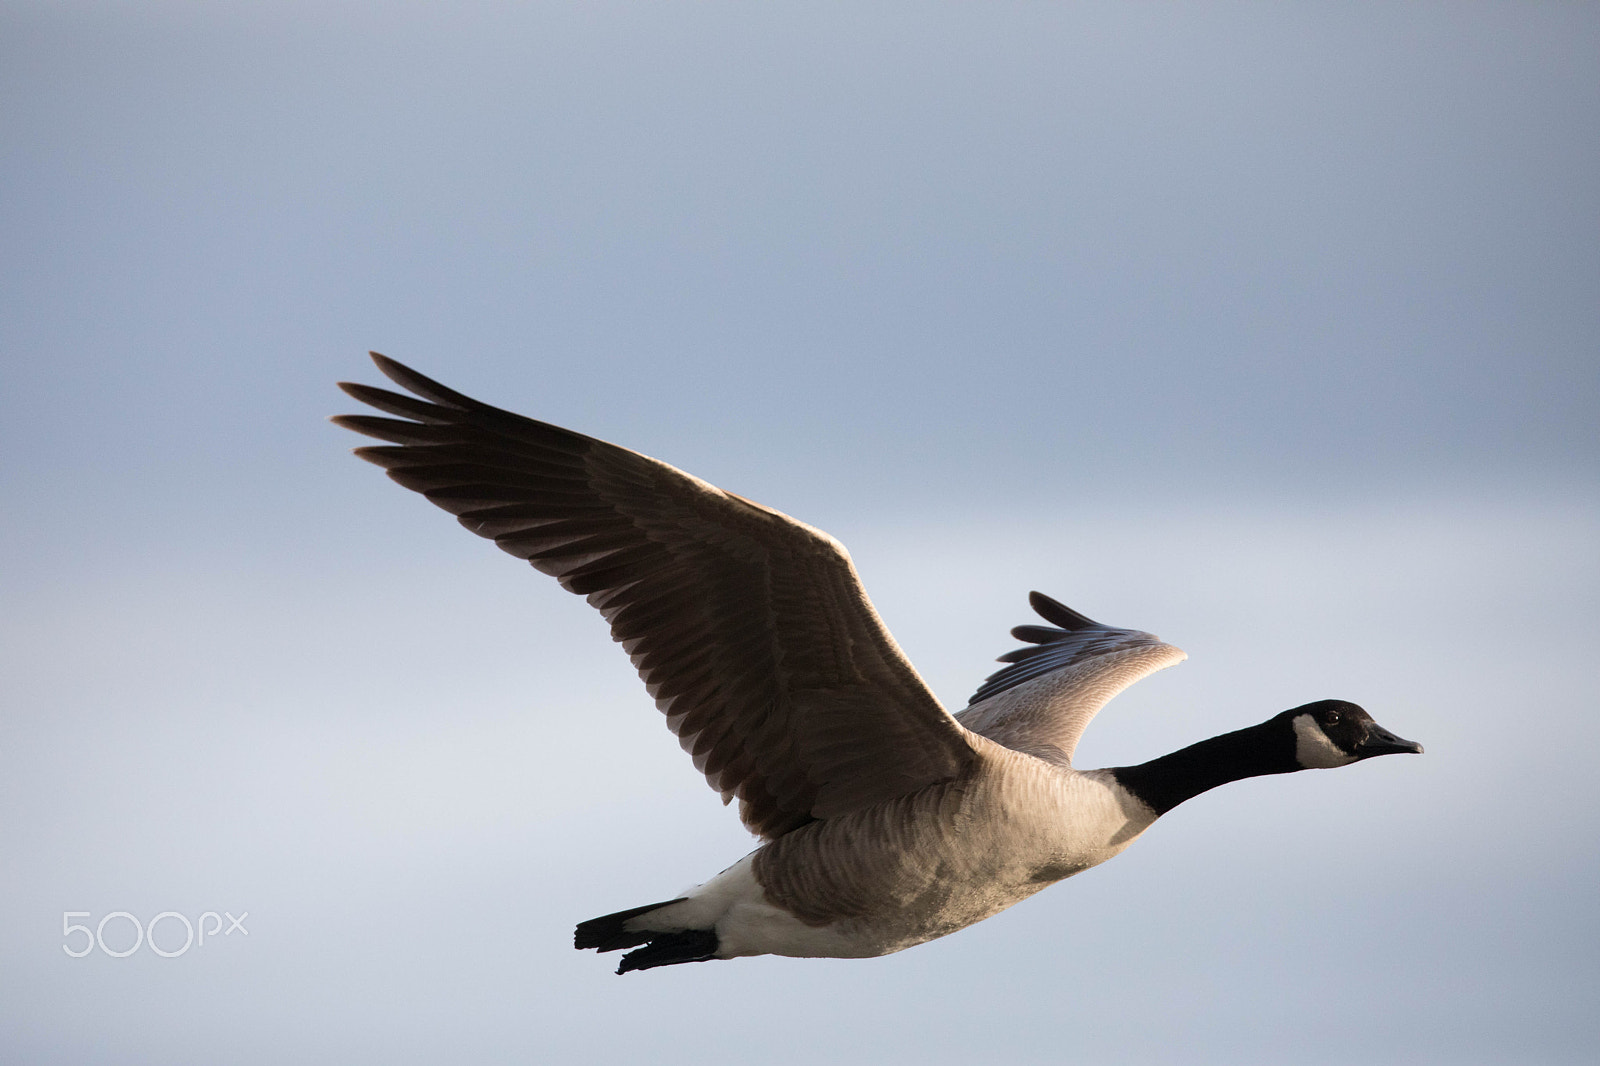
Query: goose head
[[1332, 733]]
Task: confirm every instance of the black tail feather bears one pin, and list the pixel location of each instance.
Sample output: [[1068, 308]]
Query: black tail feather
[[606, 933], [609, 932], [667, 949]]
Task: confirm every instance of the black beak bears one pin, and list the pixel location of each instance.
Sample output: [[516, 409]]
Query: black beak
[[1379, 741]]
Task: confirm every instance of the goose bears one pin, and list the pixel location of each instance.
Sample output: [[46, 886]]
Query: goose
[[885, 821]]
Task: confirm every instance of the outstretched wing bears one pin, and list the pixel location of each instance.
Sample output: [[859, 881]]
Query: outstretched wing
[[750, 629], [1042, 703]]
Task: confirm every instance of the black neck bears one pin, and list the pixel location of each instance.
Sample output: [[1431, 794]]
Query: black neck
[[1164, 783]]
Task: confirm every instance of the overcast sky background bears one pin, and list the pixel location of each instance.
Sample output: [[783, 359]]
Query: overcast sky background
[[1272, 329]]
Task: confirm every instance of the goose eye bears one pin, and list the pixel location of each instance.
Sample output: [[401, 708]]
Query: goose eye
[[1332, 719]]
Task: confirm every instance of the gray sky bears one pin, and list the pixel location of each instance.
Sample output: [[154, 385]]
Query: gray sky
[[1269, 328]]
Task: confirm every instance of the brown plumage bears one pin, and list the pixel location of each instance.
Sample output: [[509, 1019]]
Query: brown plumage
[[750, 629]]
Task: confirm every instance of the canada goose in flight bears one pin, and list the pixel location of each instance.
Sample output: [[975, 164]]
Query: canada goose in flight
[[885, 820]]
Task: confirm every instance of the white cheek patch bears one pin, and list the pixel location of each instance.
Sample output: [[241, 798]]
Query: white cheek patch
[[1312, 748]]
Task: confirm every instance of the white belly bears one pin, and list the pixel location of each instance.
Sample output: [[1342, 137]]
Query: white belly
[[735, 904]]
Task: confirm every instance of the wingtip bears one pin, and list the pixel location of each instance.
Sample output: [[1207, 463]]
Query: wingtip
[[345, 422], [421, 385], [393, 369], [1053, 610]]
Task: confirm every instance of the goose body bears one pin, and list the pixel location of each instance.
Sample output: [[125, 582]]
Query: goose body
[[877, 881], [886, 821]]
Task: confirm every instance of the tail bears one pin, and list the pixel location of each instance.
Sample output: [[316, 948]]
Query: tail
[[610, 932]]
